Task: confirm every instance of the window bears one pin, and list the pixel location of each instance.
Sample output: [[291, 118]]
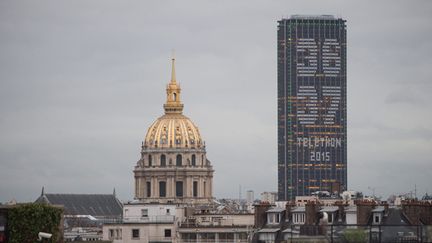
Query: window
[[167, 211], [377, 219], [332, 63], [273, 218], [162, 188], [330, 217], [119, 234], [163, 160], [193, 160], [148, 185], [135, 234], [111, 233], [195, 188], [144, 212], [150, 160], [298, 218], [167, 232], [179, 160], [179, 188], [174, 96]]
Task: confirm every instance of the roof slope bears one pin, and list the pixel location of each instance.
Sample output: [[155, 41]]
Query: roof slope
[[97, 205]]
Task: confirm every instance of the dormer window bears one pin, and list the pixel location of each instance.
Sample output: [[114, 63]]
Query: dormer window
[[273, 218], [299, 218], [377, 215]]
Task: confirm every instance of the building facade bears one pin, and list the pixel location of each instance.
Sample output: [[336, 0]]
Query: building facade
[[312, 117], [173, 167], [149, 223]]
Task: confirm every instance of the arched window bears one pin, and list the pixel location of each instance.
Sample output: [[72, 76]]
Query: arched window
[[179, 160], [174, 96], [193, 160], [163, 160], [150, 160]]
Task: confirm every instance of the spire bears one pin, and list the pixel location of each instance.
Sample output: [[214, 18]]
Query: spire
[[173, 104], [43, 191], [173, 74]]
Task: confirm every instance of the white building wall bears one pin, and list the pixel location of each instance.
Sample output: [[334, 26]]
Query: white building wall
[[147, 232], [155, 212]]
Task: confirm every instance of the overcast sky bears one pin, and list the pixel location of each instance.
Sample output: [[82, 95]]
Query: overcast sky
[[81, 81]]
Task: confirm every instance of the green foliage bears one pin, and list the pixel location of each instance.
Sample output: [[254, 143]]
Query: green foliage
[[27, 220], [355, 235]]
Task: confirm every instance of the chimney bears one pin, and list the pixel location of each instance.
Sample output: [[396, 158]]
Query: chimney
[[417, 212], [341, 210], [260, 214], [312, 208], [364, 209], [288, 208]]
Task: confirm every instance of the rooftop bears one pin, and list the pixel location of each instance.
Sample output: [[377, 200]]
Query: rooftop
[[97, 205], [300, 16]]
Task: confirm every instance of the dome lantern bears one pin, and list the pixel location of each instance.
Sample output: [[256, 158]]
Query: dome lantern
[[173, 104]]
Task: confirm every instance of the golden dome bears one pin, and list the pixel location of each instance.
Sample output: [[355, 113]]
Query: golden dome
[[173, 130]]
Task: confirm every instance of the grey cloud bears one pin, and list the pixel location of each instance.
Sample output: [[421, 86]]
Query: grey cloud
[[81, 81], [404, 96]]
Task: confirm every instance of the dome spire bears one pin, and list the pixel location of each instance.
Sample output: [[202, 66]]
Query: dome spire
[[173, 104], [173, 75]]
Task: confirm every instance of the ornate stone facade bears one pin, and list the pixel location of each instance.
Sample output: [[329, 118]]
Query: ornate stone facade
[[173, 165]]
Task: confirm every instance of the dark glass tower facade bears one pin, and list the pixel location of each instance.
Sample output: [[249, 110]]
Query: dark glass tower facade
[[312, 115]]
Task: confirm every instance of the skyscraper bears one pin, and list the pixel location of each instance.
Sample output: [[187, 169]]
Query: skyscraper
[[312, 118]]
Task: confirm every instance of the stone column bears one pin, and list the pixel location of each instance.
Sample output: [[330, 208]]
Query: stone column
[[142, 187], [154, 187], [200, 187], [173, 181], [210, 187], [137, 188], [169, 186], [186, 186]]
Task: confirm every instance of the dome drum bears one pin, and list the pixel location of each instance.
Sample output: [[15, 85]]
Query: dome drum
[[164, 160]]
